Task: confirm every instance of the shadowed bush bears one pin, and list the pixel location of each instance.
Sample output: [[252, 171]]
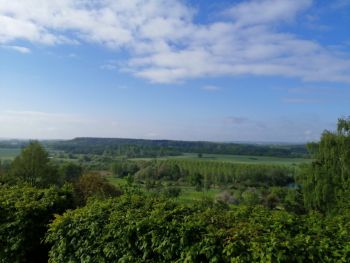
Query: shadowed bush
[[25, 213]]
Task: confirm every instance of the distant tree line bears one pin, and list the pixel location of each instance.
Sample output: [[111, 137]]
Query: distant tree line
[[13, 144], [205, 174], [154, 148]]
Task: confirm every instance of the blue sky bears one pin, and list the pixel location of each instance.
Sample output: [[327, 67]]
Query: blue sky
[[258, 70]]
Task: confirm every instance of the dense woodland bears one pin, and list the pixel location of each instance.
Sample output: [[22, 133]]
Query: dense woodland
[[155, 148], [64, 211]]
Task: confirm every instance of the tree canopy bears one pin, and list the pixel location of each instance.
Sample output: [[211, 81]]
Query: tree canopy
[[33, 166], [326, 182]]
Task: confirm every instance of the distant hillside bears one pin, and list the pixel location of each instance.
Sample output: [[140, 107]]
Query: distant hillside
[[153, 148]]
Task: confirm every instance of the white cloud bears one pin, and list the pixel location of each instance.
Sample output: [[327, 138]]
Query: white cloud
[[20, 49], [166, 45], [255, 12]]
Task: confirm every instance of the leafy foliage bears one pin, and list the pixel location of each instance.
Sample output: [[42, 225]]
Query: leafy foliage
[[124, 168], [70, 172], [24, 215], [33, 166], [206, 173], [153, 148], [139, 229], [326, 182]]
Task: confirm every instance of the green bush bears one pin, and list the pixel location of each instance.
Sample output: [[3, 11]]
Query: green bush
[[25, 213], [139, 229]]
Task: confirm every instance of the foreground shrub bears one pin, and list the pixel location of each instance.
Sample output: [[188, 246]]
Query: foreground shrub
[[139, 229], [25, 213]]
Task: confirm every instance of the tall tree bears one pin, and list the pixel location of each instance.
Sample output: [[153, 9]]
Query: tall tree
[[70, 172], [33, 166], [326, 182]]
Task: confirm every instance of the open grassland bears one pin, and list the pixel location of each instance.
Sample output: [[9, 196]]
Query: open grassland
[[236, 159], [9, 153]]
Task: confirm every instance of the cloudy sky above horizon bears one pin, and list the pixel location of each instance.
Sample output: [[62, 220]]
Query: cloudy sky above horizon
[[256, 70]]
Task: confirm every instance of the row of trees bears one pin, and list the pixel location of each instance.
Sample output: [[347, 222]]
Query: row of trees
[[153, 148], [202, 173]]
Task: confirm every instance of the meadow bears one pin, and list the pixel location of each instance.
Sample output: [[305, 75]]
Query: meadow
[[246, 159], [188, 194], [9, 153]]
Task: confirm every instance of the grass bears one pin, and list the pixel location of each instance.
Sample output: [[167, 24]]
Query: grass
[[188, 193], [116, 181], [9, 153], [236, 159]]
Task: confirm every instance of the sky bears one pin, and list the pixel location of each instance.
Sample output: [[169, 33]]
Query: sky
[[256, 70]]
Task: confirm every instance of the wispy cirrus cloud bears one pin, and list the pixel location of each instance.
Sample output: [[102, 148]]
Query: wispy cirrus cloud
[[20, 49], [266, 11], [166, 47]]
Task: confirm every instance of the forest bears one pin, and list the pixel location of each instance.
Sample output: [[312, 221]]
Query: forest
[[92, 200], [157, 148]]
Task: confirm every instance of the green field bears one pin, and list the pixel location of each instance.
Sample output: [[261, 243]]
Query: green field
[[116, 181], [236, 159], [188, 193], [9, 153]]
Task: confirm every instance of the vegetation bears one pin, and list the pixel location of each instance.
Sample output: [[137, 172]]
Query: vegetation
[[208, 173], [93, 185], [33, 166], [326, 182], [8, 153], [174, 209], [25, 213], [246, 159], [138, 229], [153, 148]]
